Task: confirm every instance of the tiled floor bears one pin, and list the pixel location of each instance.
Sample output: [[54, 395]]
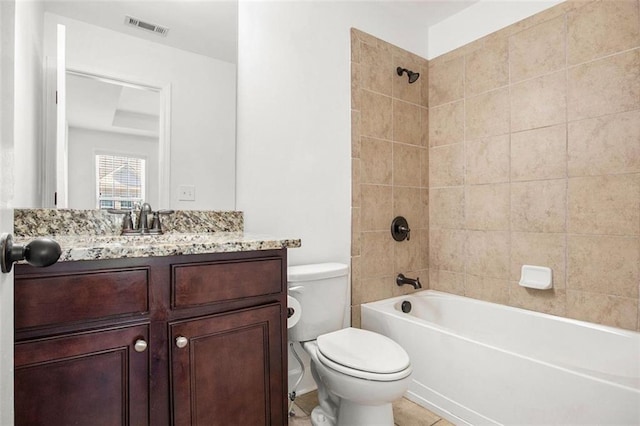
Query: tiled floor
[[405, 413]]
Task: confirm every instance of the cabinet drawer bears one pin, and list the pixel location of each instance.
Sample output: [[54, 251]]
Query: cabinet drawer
[[53, 300], [205, 283]]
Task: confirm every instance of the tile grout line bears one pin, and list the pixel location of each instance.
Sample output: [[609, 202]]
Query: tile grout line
[[566, 165], [510, 225]]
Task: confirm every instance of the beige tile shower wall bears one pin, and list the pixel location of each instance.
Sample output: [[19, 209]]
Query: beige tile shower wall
[[389, 122], [534, 155]]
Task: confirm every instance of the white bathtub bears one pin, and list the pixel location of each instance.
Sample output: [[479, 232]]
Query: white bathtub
[[476, 362]]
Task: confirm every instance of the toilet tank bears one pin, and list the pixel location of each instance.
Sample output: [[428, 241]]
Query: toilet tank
[[322, 291]]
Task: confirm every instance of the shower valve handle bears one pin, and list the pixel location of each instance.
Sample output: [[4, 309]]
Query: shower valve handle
[[400, 229], [406, 231]]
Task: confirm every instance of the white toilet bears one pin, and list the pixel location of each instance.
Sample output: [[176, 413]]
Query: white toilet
[[358, 372]]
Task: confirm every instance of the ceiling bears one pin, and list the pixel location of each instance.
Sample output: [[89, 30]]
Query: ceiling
[[425, 12], [98, 104]]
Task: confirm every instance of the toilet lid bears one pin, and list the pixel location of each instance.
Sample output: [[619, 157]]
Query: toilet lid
[[363, 350]]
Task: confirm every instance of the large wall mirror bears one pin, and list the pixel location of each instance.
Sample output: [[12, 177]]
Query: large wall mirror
[[146, 104]]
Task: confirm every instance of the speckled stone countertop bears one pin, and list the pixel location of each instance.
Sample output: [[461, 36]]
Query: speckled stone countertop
[[95, 234], [114, 247]]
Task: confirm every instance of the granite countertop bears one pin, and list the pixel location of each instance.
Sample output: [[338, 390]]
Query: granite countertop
[[95, 247], [95, 234]]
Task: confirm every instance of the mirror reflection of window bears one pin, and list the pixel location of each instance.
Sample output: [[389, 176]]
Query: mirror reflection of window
[[120, 181], [108, 116]]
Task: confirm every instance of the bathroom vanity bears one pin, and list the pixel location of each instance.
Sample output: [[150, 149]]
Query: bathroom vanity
[[196, 338]]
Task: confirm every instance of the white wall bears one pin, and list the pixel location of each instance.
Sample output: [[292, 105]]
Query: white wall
[[294, 119], [203, 95], [480, 19], [84, 144], [294, 122], [28, 126], [7, 46]]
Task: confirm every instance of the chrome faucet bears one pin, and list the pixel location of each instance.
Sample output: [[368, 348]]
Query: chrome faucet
[[142, 224], [402, 280]]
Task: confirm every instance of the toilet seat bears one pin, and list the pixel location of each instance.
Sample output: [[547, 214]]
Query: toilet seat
[[363, 354]]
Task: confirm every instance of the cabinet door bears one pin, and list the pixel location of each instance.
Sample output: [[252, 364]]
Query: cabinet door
[[94, 378], [228, 369]]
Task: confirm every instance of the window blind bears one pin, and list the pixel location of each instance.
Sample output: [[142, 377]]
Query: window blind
[[120, 181]]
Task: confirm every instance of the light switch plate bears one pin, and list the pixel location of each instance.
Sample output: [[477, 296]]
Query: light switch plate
[[186, 193]]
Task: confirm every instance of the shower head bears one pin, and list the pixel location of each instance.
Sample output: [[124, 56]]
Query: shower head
[[413, 76]]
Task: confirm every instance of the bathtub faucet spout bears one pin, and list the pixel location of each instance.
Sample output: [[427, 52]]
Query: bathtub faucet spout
[[402, 280]]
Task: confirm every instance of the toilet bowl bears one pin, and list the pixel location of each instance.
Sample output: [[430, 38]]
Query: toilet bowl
[[359, 373], [365, 390]]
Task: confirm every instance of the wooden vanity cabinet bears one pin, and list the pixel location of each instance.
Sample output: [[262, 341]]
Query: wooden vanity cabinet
[[180, 340]]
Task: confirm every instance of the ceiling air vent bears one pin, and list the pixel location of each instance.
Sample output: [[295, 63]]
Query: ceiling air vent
[[154, 28]]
